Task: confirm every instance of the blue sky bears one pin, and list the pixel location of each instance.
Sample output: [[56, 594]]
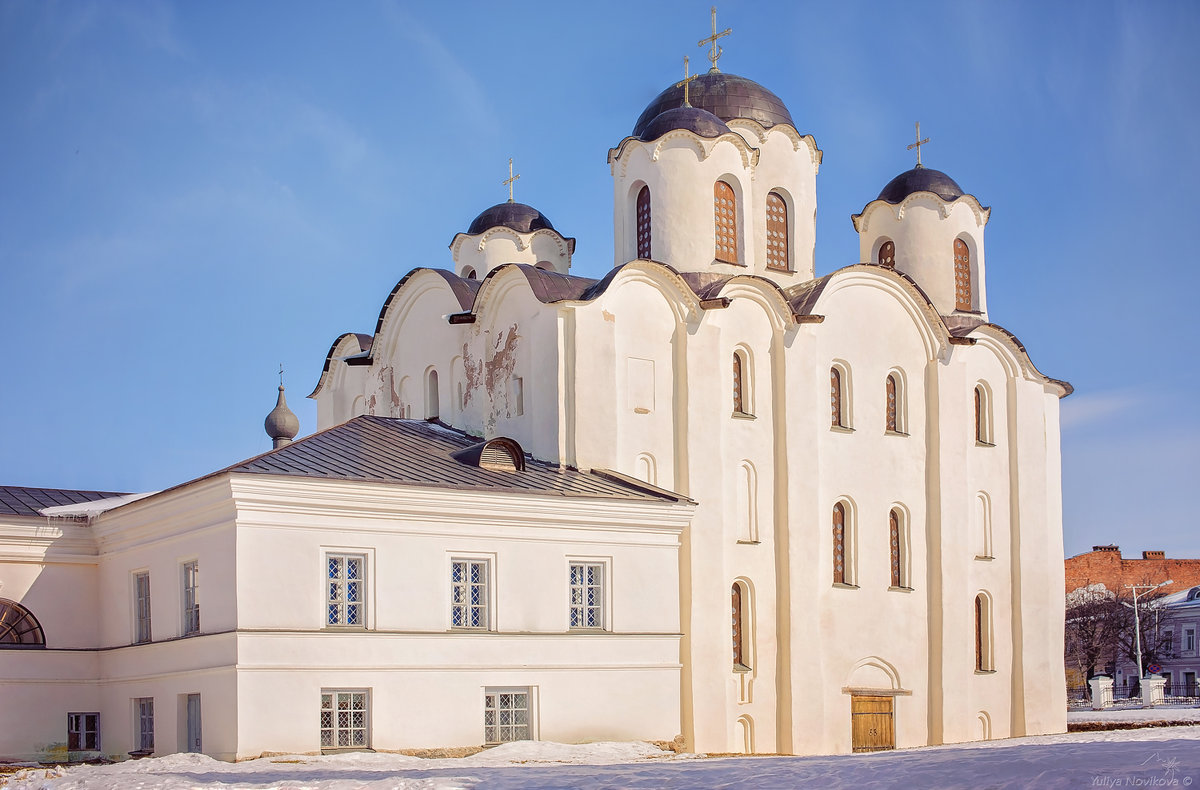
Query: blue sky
[[194, 193]]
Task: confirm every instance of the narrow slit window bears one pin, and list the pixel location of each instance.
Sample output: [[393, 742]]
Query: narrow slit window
[[897, 548], [839, 543], [893, 423], [725, 212], [962, 275], [738, 612], [739, 388], [643, 223], [837, 415], [777, 233]]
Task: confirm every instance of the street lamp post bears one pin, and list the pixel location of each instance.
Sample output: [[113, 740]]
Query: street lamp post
[[1137, 621]]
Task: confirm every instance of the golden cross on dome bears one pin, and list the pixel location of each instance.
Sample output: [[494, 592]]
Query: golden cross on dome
[[917, 145], [509, 181], [684, 82], [714, 51]]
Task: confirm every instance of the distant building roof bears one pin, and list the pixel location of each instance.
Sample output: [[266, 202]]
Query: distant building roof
[[1105, 566], [22, 501]]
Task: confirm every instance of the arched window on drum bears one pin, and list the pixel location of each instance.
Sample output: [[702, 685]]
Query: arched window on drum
[[725, 215], [778, 241], [643, 223]]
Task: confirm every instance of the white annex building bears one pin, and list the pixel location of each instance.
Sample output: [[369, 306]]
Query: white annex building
[[710, 495]]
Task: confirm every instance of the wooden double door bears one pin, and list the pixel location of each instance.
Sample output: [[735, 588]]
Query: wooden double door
[[872, 723]]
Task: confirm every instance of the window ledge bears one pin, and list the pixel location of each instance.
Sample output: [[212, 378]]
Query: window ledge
[[741, 669], [749, 542], [581, 629], [464, 629], [841, 429], [345, 628], [985, 672], [743, 415], [783, 269], [845, 586], [981, 443], [984, 557], [900, 589], [895, 433]]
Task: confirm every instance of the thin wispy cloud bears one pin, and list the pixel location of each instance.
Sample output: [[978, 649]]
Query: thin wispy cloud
[[1088, 409]]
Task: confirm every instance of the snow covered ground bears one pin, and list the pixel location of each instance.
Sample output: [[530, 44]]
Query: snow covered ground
[[1164, 757]]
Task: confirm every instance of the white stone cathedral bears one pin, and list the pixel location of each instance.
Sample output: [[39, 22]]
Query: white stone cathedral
[[710, 495]]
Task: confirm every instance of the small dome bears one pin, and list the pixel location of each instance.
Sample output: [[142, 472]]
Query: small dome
[[726, 96], [921, 179], [701, 122], [281, 424], [516, 216]]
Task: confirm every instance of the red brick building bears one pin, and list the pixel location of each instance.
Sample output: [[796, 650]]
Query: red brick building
[[1104, 565]]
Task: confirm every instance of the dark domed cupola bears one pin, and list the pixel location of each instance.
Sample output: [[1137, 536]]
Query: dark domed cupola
[[921, 179], [514, 216], [510, 232], [727, 96], [693, 119]]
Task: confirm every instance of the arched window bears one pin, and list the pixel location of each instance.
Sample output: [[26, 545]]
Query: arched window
[[431, 394], [893, 422], [18, 626], [643, 223], [837, 399], [740, 400], [777, 232], [896, 537], [983, 634], [468, 273], [962, 275], [739, 611], [747, 503], [983, 416], [887, 254], [839, 544], [725, 212], [983, 515]]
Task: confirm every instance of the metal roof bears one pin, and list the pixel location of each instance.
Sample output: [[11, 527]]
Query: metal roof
[[417, 452], [22, 501]]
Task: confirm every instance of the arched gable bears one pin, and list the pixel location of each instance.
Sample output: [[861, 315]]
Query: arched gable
[[797, 140], [925, 318], [679, 138], [346, 344], [873, 672], [1013, 357], [418, 287], [982, 213]]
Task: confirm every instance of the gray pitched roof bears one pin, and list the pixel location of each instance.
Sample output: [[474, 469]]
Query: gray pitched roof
[[22, 501], [416, 452]]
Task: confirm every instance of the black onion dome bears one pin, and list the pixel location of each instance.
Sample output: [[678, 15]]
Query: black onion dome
[[702, 122], [726, 96], [517, 216], [921, 179]]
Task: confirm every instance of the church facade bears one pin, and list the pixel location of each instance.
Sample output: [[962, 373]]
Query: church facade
[[808, 515]]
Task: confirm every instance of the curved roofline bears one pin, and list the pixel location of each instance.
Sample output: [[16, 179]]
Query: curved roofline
[[982, 213], [523, 243], [1006, 337], [364, 344], [706, 145], [795, 135]]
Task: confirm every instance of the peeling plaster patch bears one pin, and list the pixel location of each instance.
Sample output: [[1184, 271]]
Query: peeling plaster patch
[[499, 369], [607, 316], [472, 374]]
